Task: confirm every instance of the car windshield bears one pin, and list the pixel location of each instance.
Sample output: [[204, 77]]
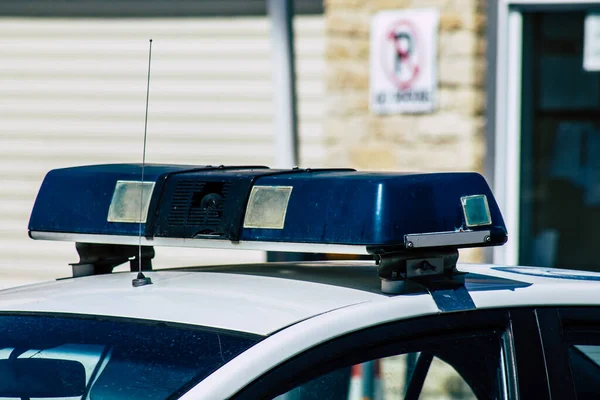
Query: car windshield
[[82, 357]]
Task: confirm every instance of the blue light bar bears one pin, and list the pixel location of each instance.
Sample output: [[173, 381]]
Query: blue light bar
[[256, 207]]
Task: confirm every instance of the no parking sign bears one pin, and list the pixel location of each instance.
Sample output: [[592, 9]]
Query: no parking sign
[[403, 61]]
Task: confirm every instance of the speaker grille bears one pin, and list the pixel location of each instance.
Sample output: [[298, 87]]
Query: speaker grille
[[198, 204]]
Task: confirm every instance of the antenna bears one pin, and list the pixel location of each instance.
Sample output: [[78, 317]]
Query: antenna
[[142, 280]]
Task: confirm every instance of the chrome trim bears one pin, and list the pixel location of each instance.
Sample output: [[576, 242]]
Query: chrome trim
[[440, 239], [206, 243]]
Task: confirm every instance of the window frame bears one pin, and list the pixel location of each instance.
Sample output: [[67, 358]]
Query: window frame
[[390, 338]]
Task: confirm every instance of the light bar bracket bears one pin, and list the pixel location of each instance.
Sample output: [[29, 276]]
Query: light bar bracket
[[443, 239], [405, 272], [98, 259]]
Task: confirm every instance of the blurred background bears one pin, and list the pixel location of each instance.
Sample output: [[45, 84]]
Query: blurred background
[[515, 96]]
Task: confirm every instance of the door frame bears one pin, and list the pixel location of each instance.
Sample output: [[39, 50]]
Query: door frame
[[504, 95]]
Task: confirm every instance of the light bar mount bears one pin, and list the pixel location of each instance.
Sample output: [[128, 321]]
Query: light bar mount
[[408, 271], [98, 259]]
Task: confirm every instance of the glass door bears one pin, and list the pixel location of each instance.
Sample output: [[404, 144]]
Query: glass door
[[559, 208]]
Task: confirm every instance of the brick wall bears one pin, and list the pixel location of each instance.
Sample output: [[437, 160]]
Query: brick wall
[[449, 139]]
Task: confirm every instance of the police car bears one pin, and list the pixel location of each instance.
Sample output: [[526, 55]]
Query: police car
[[410, 324]]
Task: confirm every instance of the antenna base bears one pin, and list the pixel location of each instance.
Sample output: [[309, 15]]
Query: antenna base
[[141, 280]]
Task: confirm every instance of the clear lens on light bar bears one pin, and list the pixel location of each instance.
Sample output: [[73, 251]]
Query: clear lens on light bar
[[130, 201], [477, 210], [267, 207]]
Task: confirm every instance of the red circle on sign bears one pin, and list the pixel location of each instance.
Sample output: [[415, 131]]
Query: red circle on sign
[[410, 57]]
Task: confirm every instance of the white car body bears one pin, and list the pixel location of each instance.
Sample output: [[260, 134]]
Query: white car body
[[295, 306]]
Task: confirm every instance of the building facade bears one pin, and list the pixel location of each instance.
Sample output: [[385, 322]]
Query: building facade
[[451, 138], [515, 102]]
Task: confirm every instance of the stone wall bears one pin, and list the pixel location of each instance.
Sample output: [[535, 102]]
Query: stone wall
[[449, 139]]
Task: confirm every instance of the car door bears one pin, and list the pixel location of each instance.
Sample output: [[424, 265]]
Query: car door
[[489, 354]]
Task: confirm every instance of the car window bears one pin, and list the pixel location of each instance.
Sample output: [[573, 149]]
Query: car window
[[585, 364], [581, 333], [446, 369], [443, 381], [591, 352], [44, 356], [385, 378]]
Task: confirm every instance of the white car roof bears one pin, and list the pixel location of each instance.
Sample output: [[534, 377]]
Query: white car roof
[[264, 298], [251, 304]]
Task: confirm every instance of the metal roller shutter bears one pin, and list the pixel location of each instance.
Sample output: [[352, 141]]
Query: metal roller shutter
[[72, 91]]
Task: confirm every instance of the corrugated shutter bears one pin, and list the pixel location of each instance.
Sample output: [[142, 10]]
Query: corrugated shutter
[[148, 8], [72, 91]]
